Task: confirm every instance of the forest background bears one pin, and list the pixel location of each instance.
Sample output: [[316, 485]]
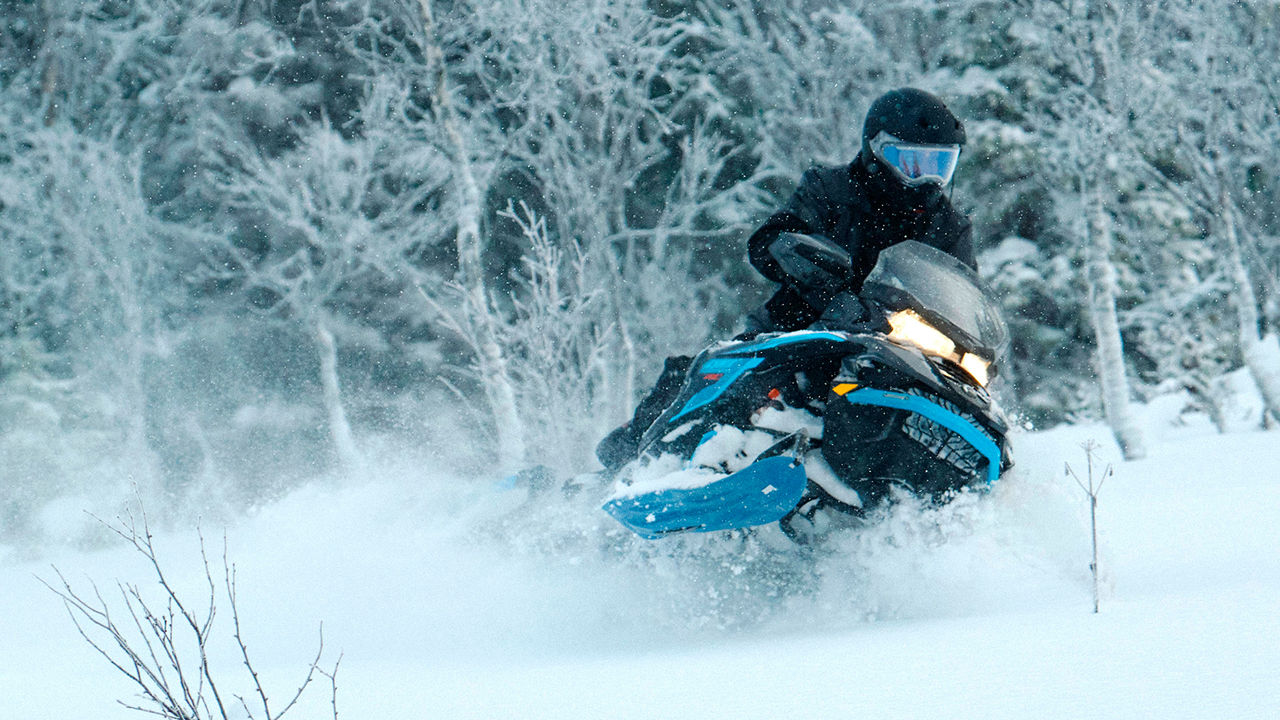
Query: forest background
[[243, 242]]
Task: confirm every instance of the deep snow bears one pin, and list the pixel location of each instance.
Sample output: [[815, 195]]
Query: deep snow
[[453, 599]]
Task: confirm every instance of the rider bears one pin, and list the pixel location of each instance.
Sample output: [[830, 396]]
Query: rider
[[891, 192]]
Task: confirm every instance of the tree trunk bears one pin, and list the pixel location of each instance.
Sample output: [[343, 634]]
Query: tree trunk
[[1101, 277], [49, 72], [1261, 354], [49, 91], [339, 428], [491, 361], [122, 275]]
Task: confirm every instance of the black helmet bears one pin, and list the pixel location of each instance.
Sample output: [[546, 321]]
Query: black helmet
[[911, 117]]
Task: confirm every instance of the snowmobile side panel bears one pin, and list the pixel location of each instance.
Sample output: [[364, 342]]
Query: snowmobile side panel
[[953, 422], [759, 494]]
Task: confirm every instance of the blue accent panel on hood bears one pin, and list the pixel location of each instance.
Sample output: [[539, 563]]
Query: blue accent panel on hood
[[944, 417], [730, 369]]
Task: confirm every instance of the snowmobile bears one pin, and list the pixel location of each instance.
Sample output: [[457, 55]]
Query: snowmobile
[[811, 429]]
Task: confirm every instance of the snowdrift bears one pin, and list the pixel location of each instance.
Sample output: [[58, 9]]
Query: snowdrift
[[456, 598]]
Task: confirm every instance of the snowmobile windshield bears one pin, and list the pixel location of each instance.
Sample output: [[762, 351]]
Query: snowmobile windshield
[[945, 291]]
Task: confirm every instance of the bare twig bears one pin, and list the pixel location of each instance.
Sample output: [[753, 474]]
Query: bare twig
[[1092, 491], [333, 683], [163, 647]]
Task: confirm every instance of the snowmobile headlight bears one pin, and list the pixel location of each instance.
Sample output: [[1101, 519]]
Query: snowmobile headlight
[[908, 328], [978, 368]]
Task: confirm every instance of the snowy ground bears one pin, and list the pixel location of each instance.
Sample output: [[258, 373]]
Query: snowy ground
[[448, 604]]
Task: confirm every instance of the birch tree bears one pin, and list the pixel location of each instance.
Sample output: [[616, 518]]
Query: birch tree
[[1086, 120], [482, 323]]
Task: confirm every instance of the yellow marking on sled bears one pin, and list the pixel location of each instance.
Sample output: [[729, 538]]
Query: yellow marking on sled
[[844, 388]]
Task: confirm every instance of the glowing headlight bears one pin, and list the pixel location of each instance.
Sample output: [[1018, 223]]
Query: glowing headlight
[[977, 368], [909, 328]]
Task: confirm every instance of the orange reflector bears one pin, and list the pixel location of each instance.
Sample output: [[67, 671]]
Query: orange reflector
[[844, 389], [774, 394]]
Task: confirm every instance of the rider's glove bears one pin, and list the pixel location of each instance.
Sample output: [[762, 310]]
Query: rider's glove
[[848, 312], [814, 265]]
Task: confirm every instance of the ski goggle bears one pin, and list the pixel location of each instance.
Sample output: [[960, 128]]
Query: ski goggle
[[917, 164]]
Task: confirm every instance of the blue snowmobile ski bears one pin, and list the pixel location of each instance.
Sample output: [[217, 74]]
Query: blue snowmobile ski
[[762, 493]]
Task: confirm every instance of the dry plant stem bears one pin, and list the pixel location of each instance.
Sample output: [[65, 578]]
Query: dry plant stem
[[150, 655], [1092, 491], [332, 676], [153, 645]]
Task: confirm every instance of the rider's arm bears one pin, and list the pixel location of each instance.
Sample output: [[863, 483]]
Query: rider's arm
[[808, 212], [804, 213]]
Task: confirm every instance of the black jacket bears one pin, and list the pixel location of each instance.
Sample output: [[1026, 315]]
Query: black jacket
[[862, 210]]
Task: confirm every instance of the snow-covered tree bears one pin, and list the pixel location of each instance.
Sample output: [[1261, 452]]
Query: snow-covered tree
[[340, 223], [571, 184], [1221, 128], [581, 112], [89, 284]]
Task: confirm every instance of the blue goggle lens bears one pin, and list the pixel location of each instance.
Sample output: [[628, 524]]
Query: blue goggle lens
[[918, 164]]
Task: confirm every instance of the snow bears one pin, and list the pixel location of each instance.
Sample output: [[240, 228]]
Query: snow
[[788, 420], [1242, 400], [448, 599], [726, 449], [820, 473]]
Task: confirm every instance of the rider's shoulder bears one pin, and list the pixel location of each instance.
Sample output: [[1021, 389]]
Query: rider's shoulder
[[831, 181]]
